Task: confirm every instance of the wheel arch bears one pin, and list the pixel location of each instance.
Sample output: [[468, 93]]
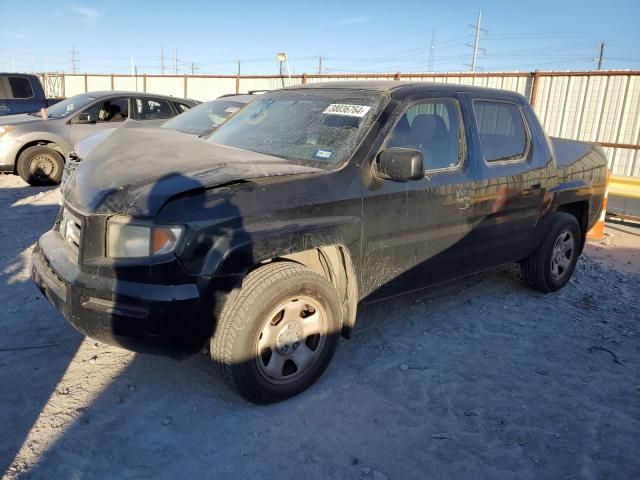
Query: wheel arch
[[50, 143], [580, 210]]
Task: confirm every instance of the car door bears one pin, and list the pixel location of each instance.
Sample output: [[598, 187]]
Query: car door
[[508, 197], [153, 110], [416, 233], [105, 113]]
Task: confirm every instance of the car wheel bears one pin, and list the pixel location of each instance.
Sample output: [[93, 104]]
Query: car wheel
[[551, 265], [277, 333], [40, 165]]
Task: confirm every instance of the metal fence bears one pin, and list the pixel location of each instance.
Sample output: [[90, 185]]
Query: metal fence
[[597, 106]]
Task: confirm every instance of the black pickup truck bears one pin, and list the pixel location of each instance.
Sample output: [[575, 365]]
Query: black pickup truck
[[261, 241]]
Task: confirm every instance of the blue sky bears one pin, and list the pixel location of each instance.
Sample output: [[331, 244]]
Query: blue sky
[[352, 36]]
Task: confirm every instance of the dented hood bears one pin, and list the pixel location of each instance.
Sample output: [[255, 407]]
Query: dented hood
[[134, 170]]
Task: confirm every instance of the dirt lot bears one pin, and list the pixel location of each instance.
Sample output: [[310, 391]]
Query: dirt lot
[[482, 378]]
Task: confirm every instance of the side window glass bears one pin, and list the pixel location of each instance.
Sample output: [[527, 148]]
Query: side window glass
[[153, 109], [433, 127], [181, 107], [20, 87], [113, 110], [502, 132]]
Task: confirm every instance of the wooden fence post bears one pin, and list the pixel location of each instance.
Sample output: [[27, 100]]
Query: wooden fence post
[[534, 88]]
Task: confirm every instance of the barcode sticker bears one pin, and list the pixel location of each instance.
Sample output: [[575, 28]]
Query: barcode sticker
[[347, 110]]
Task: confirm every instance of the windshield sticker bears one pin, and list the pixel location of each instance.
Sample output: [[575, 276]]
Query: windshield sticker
[[69, 107], [323, 154], [358, 111], [231, 109]]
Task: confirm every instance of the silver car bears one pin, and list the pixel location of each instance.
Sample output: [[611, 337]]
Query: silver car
[[35, 145]]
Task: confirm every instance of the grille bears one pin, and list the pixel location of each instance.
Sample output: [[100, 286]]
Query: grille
[[71, 229]]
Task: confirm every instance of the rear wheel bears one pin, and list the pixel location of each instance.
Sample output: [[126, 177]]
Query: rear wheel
[[277, 333], [40, 165], [551, 265]]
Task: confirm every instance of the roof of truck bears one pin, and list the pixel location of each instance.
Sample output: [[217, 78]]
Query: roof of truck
[[400, 85]]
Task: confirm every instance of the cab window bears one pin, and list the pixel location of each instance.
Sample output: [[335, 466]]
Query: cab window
[[502, 132], [434, 128], [20, 87]]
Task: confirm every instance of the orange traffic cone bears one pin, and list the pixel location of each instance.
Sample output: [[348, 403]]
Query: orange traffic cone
[[597, 232]]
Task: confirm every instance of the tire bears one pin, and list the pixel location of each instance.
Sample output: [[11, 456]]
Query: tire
[[260, 345], [40, 165], [551, 265]]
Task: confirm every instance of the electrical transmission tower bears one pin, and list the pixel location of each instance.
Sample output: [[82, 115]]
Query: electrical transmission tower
[[73, 59], [476, 43], [600, 58], [162, 58]]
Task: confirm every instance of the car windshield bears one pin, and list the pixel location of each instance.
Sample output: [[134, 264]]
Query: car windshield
[[69, 106], [205, 118], [315, 127]]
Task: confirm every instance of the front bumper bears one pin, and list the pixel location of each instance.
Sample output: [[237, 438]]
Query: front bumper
[[143, 317]]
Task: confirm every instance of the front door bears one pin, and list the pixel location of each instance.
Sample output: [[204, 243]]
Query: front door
[[109, 113], [416, 233]]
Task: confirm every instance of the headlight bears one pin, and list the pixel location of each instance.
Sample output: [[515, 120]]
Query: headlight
[[133, 239], [6, 129]]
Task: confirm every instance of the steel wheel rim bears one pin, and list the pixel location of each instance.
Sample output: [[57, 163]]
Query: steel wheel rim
[[562, 255], [43, 166], [291, 340]]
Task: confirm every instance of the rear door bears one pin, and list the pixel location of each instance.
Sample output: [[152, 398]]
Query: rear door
[[105, 113], [508, 196], [153, 110]]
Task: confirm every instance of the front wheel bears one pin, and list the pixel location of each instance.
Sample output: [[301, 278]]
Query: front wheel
[[40, 165], [277, 333], [551, 265]]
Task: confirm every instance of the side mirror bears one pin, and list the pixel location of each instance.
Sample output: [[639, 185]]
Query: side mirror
[[85, 118], [401, 164]]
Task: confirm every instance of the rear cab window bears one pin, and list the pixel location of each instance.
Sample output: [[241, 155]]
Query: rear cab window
[[20, 87], [434, 127], [502, 130]]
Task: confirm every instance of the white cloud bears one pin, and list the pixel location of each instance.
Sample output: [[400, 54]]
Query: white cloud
[[90, 15], [353, 20]]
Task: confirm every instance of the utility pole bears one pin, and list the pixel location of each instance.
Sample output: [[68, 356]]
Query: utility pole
[[194, 68], [432, 50], [320, 64], [175, 61], [601, 56], [162, 60], [476, 44], [238, 67], [13, 63], [74, 59]]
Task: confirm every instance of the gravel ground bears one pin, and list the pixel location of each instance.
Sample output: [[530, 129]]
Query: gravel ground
[[482, 378]]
